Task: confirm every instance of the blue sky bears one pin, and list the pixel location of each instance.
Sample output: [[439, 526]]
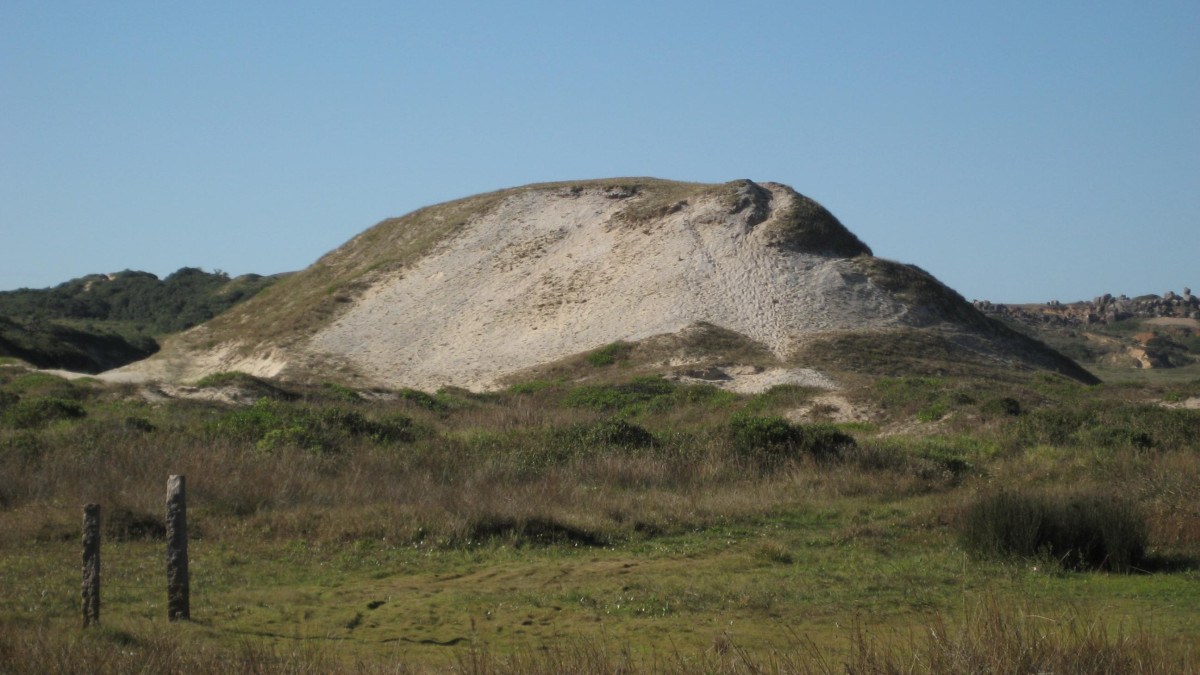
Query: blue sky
[[1018, 151]]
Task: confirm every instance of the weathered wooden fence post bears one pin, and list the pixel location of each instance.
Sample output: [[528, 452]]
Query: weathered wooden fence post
[[177, 554], [91, 564]]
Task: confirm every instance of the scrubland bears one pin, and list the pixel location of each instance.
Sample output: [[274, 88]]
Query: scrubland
[[634, 524]]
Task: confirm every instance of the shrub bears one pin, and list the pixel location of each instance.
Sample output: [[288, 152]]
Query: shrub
[[531, 531], [246, 382], [1119, 437], [631, 396], [1003, 406], [138, 424], [609, 354], [338, 392], [1082, 531], [933, 413], [37, 413], [45, 384], [612, 432], [271, 425], [704, 394], [775, 436], [531, 387], [421, 399], [229, 378], [124, 524]]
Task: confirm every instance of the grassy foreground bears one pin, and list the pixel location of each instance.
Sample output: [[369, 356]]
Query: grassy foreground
[[632, 525]]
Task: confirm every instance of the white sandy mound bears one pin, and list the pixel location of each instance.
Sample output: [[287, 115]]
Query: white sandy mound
[[546, 275], [185, 366]]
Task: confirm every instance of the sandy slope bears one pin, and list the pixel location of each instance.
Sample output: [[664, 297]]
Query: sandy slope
[[472, 291], [548, 274]]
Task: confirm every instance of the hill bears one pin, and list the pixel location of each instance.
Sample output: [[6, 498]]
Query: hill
[[482, 290], [102, 321]]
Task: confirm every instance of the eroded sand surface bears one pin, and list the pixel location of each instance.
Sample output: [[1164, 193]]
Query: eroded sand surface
[[544, 276]]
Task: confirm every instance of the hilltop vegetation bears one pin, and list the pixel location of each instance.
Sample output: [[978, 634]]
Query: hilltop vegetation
[[98, 322]]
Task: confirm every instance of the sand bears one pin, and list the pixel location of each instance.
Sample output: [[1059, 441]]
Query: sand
[[546, 275]]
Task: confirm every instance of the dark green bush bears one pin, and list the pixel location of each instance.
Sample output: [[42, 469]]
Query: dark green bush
[[183, 299], [124, 524], [270, 425], [138, 424], [37, 413], [1082, 531], [246, 382], [1119, 437], [612, 432], [421, 399], [704, 393], [609, 354], [45, 385], [337, 392], [775, 436], [1003, 406], [226, 379], [532, 387], [536, 531]]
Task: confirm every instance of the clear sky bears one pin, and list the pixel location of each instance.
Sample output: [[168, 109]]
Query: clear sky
[[1020, 151]]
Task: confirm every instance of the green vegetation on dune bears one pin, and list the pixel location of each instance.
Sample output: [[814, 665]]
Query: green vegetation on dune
[[1028, 522], [99, 322], [181, 300]]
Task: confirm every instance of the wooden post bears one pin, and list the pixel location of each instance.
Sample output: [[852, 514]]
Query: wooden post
[[91, 564], [177, 555]]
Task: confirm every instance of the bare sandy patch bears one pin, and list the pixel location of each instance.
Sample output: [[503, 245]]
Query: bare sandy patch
[[829, 407], [1192, 403]]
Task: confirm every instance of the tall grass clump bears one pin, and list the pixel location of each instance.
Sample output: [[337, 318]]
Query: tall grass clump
[[999, 637], [1080, 531]]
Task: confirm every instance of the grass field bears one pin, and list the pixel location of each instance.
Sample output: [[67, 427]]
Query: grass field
[[633, 526]]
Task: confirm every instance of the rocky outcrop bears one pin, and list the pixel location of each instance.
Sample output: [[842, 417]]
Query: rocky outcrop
[[1171, 320], [1104, 309]]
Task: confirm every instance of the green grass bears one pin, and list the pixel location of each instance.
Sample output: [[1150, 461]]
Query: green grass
[[609, 354], [639, 513], [759, 584]]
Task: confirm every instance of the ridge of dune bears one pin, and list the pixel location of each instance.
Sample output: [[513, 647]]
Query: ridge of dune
[[473, 291]]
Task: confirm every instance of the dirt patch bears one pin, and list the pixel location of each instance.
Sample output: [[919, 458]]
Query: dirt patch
[[829, 407], [1192, 403]]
